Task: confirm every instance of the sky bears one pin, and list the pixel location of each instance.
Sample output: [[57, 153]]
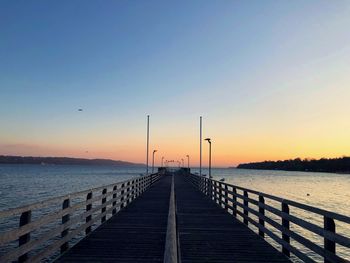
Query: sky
[[270, 78]]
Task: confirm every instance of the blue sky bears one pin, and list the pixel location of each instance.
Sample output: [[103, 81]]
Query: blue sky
[[254, 69]]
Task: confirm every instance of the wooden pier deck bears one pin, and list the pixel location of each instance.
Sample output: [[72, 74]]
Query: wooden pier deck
[[172, 216], [135, 234], [206, 233]]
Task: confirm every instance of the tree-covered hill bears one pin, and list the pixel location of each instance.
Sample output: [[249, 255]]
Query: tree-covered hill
[[62, 160], [336, 165]]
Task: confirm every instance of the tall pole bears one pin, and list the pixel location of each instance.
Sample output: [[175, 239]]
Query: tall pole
[[154, 151], [209, 141], [182, 160], [188, 161], [209, 159], [147, 144], [162, 160], [200, 145]]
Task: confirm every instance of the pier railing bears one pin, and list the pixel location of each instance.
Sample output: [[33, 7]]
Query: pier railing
[[47, 228], [255, 209]]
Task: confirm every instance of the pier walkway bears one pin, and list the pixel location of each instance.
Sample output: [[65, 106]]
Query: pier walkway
[[172, 216], [136, 234], [206, 233]]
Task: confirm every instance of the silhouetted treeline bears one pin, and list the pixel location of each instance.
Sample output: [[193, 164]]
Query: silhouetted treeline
[[62, 160], [337, 165]]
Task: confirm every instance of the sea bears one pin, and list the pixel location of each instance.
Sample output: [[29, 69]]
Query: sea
[[24, 184]]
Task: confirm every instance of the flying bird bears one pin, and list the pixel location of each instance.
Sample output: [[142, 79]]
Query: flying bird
[[80, 109]]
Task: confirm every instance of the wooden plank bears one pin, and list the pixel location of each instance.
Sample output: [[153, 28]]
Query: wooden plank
[[136, 233], [207, 233]]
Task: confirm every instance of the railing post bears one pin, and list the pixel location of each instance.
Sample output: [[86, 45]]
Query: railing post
[[128, 193], [215, 192], [285, 224], [208, 186], [226, 197], [24, 219], [122, 197], [329, 245], [133, 190], [137, 187], [220, 195], [142, 185], [209, 189], [114, 211], [245, 211], [89, 217], [212, 190], [103, 218], [234, 202], [65, 219], [261, 213]]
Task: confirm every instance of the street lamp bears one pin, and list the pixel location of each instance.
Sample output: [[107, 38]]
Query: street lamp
[[154, 151], [162, 160], [147, 150], [182, 160], [188, 161], [209, 141]]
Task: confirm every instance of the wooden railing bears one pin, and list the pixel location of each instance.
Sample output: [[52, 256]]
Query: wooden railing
[[46, 229], [252, 208]]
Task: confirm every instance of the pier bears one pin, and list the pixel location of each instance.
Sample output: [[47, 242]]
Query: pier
[[171, 216]]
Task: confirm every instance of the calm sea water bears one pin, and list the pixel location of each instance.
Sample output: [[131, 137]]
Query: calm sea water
[[24, 184]]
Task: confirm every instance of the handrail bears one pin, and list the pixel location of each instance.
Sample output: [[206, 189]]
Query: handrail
[[227, 197], [81, 211]]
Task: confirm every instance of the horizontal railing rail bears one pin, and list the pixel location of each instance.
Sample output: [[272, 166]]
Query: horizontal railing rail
[[243, 203], [46, 228]]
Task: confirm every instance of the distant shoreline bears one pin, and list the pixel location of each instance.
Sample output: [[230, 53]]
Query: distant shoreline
[[288, 170], [335, 165], [64, 161]]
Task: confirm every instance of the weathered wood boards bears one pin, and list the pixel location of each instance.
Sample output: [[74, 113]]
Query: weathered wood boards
[[135, 234], [209, 234]]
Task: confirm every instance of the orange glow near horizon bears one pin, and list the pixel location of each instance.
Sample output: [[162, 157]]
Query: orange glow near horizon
[[226, 150]]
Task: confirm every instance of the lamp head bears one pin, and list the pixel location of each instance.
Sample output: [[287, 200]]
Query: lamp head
[[208, 139], [154, 151]]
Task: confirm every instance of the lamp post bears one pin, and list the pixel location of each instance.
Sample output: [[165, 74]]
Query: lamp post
[[182, 160], [188, 161], [162, 161], [200, 145], [209, 141], [147, 150], [154, 151]]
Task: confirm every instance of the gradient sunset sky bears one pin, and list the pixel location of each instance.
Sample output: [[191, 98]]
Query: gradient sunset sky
[[270, 78]]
